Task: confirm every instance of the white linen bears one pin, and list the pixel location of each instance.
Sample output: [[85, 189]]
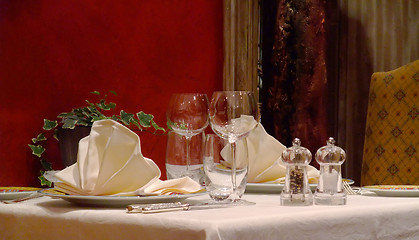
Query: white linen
[[263, 155], [363, 218], [110, 162]]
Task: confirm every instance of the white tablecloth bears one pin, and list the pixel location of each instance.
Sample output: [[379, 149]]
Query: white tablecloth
[[364, 217]]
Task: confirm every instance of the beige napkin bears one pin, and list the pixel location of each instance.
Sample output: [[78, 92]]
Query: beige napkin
[[264, 156], [110, 162]]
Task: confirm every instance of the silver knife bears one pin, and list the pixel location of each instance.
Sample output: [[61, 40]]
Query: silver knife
[[175, 206]]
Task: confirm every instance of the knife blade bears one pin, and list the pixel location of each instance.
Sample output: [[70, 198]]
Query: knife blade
[[174, 206]]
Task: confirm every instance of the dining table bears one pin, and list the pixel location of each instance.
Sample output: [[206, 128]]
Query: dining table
[[363, 217]]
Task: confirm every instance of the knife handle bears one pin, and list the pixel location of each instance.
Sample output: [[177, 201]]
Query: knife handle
[[157, 207]]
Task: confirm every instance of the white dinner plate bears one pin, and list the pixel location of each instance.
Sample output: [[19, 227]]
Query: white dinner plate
[[115, 201], [277, 187], [394, 190], [10, 193]]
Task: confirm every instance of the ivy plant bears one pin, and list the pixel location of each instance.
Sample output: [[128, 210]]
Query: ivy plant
[[86, 116]]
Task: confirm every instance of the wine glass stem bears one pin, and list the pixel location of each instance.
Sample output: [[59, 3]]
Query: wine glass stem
[[188, 157], [233, 166]]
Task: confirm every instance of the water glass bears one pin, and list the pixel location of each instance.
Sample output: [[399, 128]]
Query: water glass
[[187, 115], [176, 157], [233, 114], [219, 176]]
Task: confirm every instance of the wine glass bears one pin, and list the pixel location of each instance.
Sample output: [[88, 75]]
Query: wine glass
[[187, 115], [176, 156], [233, 114]]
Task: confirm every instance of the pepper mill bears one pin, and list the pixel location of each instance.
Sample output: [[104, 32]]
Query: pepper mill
[[329, 189], [296, 191]]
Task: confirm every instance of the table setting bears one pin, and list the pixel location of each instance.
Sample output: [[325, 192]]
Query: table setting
[[110, 162], [235, 174]]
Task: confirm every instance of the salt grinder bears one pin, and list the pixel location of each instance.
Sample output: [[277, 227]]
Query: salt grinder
[[329, 189], [296, 190]]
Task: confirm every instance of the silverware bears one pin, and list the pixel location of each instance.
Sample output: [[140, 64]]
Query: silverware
[[175, 206], [30, 196], [349, 190]]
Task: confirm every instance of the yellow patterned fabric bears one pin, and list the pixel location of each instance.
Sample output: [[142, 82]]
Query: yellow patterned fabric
[[391, 134]]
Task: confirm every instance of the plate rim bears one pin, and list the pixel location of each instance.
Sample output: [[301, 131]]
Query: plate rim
[[393, 192], [18, 194], [108, 200], [377, 187], [20, 189]]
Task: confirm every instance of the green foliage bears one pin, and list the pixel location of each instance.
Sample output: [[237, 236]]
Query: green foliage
[[43, 180], [37, 150], [48, 125], [86, 116], [39, 138], [171, 124], [46, 165]]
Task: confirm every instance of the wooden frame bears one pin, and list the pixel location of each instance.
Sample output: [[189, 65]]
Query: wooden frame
[[241, 45]]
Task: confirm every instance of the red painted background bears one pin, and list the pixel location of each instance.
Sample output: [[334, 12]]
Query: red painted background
[[53, 53]]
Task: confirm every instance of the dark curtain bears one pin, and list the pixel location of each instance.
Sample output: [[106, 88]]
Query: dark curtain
[[294, 90]]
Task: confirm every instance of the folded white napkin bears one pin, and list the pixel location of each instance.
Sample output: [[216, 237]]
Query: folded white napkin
[[110, 162], [264, 157]]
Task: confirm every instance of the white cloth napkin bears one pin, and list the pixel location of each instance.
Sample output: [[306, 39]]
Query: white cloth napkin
[[264, 157], [110, 162]]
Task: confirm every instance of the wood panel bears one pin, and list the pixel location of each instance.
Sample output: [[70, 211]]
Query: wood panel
[[241, 38]]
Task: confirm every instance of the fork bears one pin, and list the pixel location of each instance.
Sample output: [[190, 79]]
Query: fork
[[348, 189]]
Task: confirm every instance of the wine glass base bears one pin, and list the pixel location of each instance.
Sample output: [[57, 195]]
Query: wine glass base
[[230, 202]]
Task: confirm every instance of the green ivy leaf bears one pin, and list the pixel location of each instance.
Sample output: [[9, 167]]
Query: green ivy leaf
[[155, 126], [87, 113], [46, 165], [126, 118], [65, 114], [44, 181], [91, 109], [84, 122], [94, 119], [104, 106], [111, 105], [37, 150], [145, 119], [48, 125], [39, 138], [55, 135], [113, 92], [69, 123], [115, 118], [136, 123], [95, 92], [89, 104], [169, 124]]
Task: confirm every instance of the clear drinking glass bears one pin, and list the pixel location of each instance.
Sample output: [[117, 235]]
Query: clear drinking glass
[[218, 171], [176, 156], [187, 115], [233, 114]]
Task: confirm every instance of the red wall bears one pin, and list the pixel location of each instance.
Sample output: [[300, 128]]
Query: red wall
[[53, 53]]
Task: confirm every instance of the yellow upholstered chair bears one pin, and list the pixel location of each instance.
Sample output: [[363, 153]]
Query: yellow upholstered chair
[[391, 137]]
